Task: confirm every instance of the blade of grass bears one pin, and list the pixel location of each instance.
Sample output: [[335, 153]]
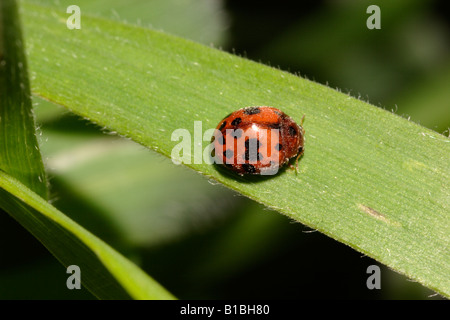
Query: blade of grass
[[21, 160], [104, 271], [369, 178]]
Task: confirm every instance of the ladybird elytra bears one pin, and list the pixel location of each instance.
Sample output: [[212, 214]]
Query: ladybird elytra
[[258, 140]]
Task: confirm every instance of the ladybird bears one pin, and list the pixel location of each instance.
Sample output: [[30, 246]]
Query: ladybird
[[257, 141]]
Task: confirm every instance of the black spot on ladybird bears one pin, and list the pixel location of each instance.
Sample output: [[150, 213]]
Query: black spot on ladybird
[[236, 121], [237, 133], [222, 125], [292, 131], [246, 155], [228, 153], [300, 149], [253, 142], [252, 156], [278, 147], [252, 110]]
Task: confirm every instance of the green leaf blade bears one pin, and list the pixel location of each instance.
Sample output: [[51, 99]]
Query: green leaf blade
[[21, 160], [105, 272]]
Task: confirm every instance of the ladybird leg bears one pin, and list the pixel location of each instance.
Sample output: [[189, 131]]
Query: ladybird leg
[[301, 124], [292, 167], [298, 157]]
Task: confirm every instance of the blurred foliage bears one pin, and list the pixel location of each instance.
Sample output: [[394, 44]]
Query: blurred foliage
[[209, 242]]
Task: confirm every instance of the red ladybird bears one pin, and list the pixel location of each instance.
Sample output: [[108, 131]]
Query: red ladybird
[[257, 140]]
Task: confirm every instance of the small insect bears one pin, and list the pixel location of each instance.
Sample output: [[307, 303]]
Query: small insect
[[258, 141]]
